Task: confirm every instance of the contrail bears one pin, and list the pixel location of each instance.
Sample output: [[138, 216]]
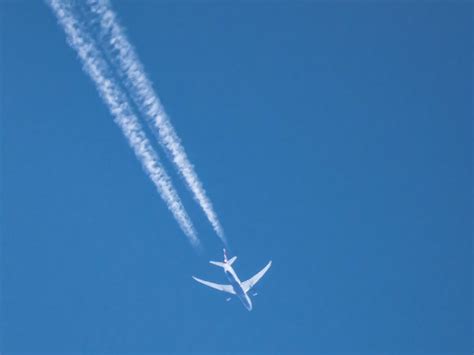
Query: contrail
[[130, 69], [96, 67]]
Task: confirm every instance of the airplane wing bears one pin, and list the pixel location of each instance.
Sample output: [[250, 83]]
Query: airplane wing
[[247, 285], [224, 288]]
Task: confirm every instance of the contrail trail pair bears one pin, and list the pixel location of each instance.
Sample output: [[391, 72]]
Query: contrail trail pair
[[97, 68], [130, 70]]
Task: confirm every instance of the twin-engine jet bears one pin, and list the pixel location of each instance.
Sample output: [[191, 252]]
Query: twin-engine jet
[[236, 287]]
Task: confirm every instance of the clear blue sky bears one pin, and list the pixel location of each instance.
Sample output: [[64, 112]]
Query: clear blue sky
[[333, 138]]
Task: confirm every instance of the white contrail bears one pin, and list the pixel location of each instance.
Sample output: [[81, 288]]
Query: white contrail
[[95, 65], [129, 67]]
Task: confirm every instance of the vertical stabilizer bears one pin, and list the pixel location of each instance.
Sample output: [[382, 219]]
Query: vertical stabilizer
[[226, 261]]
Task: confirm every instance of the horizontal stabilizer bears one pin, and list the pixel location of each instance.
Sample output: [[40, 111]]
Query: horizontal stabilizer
[[217, 263], [226, 262]]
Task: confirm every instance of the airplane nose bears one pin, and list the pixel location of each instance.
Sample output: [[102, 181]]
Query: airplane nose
[[248, 305]]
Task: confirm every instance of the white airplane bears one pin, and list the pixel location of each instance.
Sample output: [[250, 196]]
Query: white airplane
[[236, 287]]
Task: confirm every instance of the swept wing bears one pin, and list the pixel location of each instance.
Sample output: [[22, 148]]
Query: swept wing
[[224, 288], [247, 285]]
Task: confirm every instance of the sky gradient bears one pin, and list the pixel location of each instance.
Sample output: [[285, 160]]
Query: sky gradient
[[332, 138]]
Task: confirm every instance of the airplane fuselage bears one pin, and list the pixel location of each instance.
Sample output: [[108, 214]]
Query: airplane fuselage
[[237, 286]]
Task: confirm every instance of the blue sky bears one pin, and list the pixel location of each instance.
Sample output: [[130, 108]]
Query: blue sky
[[333, 138]]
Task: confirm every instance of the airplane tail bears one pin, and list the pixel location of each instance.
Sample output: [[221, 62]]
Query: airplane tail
[[226, 262], [217, 263]]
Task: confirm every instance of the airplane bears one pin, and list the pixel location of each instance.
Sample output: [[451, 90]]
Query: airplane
[[236, 287]]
